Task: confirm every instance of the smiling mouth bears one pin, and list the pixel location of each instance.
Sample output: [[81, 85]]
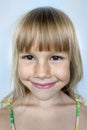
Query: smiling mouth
[[43, 86]]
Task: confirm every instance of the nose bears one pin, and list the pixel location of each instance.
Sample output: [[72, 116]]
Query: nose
[[42, 70]]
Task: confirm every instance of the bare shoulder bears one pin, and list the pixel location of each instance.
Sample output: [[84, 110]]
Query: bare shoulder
[[4, 119], [83, 118], [84, 111]]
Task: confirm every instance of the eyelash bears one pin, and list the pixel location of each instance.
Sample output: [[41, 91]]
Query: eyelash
[[56, 58], [30, 57], [27, 57]]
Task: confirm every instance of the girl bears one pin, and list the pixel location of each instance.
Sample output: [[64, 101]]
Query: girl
[[46, 68]]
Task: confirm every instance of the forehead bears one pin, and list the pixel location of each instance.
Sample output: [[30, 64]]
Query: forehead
[[44, 53], [43, 49]]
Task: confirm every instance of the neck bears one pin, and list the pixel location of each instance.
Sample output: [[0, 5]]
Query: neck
[[59, 99]]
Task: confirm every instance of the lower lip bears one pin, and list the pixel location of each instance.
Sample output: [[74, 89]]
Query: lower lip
[[43, 86]]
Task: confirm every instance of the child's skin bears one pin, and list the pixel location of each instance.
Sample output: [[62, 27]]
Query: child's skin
[[42, 68], [44, 109]]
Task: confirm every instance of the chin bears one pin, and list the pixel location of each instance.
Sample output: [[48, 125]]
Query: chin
[[44, 96]]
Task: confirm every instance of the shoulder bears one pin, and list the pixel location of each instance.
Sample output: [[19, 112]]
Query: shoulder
[[83, 118], [84, 111], [83, 107], [4, 119]]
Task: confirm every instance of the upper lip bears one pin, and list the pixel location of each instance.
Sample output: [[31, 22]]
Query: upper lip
[[43, 84]]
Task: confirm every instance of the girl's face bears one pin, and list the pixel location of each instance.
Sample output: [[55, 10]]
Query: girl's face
[[44, 73]]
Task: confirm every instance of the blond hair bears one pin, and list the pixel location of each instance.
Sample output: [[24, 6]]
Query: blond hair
[[48, 29]]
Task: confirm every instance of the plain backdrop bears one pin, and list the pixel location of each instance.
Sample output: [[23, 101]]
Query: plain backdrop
[[11, 11]]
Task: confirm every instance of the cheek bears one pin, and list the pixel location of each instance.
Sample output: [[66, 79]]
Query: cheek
[[25, 71], [62, 72]]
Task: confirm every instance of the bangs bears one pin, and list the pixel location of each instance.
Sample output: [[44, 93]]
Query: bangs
[[43, 33]]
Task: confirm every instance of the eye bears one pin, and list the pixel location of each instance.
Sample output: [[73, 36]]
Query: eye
[[28, 57], [56, 58]]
